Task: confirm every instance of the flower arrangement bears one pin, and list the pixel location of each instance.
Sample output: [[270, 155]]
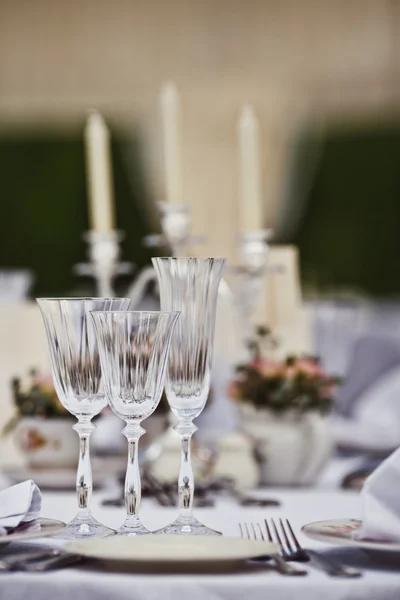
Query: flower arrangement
[[35, 398], [298, 382]]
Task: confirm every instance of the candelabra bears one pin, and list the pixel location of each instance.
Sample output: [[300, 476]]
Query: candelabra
[[104, 264], [175, 226], [246, 279]]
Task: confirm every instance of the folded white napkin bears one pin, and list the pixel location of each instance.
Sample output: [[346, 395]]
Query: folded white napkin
[[381, 497], [19, 504], [375, 420]]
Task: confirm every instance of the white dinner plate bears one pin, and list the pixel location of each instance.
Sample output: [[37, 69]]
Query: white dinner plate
[[341, 531], [34, 529], [172, 549]]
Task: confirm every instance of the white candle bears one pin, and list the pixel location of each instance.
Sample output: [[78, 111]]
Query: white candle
[[250, 213], [170, 124], [99, 173]]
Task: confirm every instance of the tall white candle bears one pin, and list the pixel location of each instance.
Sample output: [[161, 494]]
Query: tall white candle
[[172, 159], [251, 205], [99, 173]]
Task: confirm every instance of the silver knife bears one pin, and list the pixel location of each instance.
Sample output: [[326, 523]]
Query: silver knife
[[331, 566]]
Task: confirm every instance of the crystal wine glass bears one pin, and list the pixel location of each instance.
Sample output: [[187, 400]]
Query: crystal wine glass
[[133, 353], [189, 285], [77, 379]]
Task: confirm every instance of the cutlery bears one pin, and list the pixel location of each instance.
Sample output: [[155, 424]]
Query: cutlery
[[257, 502], [52, 562], [166, 494], [292, 550], [8, 562], [37, 560], [255, 532]]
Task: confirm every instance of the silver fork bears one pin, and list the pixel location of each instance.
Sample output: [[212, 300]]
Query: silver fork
[[255, 532], [292, 550]]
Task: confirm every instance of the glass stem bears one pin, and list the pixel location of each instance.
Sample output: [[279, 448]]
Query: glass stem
[[133, 488], [84, 482], [186, 479]]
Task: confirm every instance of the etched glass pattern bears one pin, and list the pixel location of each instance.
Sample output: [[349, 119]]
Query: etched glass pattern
[[189, 285], [78, 382], [133, 352]]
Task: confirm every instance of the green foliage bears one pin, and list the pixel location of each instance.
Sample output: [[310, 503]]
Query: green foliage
[[37, 398], [279, 393], [348, 236], [44, 207], [296, 383]]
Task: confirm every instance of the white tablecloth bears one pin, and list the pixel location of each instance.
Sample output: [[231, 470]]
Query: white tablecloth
[[381, 579]]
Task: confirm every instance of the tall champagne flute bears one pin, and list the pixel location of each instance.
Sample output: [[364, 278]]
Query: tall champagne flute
[[77, 379], [189, 285], [133, 353]]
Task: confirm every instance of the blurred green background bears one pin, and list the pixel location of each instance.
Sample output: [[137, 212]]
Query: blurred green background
[[45, 212], [347, 230]]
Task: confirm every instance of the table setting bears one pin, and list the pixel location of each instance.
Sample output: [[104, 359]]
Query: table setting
[[103, 353], [99, 577], [201, 509]]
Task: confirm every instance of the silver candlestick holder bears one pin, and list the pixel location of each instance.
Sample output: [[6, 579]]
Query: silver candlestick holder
[[176, 222], [104, 264], [247, 278]]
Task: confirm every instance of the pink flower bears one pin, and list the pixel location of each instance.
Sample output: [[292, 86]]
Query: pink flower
[[267, 368], [290, 372], [326, 391], [309, 367], [43, 380], [233, 390], [45, 383]]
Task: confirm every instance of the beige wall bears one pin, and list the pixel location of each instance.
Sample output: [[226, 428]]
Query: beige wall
[[291, 59]]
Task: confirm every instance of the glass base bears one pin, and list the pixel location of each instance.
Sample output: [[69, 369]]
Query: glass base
[[82, 528], [138, 529], [132, 526], [187, 526]]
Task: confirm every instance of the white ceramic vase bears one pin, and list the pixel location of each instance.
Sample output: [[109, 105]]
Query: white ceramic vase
[[292, 449], [47, 443]]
